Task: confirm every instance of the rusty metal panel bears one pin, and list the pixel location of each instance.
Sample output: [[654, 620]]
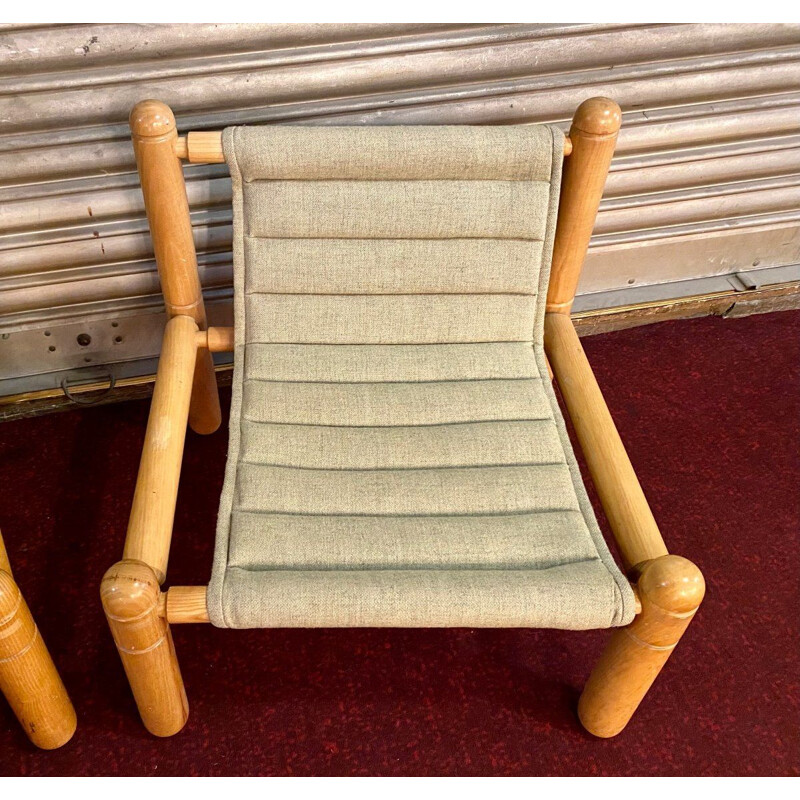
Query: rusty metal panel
[[706, 180]]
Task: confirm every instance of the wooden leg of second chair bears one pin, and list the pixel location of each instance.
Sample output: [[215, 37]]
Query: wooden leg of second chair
[[28, 677], [130, 593], [671, 589]]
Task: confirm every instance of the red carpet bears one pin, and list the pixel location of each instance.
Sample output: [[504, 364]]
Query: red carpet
[[710, 412]]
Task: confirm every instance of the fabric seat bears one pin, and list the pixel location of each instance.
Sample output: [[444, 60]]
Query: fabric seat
[[397, 456]]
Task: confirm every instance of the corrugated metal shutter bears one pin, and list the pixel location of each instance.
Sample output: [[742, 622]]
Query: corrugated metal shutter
[[706, 180]]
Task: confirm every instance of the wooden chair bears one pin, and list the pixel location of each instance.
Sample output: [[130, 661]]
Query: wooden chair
[[28, 678], [665, 590]]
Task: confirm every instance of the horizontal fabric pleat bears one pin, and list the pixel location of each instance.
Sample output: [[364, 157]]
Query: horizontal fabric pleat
[[519, 541], [397, 209], [389, 404], [390, 363], [466, 445], [577, 596], [461, 490], [392, 266], [385, 319], [438, 152]]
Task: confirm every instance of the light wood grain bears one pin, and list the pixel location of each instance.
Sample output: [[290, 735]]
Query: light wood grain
[[28, 677], [621, 495], [184, 604], [150, 525], [204, 147], [130, 596], [593, 136], [671, 590], [217, 340], [154, 135]]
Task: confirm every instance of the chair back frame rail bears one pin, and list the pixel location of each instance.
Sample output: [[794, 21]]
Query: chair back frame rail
[[668, 588]]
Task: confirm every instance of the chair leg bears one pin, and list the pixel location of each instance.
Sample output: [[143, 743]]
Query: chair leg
[[130, 593], [671, 589], [28, 677]]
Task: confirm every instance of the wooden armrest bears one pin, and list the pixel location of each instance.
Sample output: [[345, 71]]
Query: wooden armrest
[[623, 500], [153, 511]]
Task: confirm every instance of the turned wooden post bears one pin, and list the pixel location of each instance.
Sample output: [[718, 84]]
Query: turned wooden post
[[155, 134], [28, 677], [130, 594], [593, 135], [671, 589]]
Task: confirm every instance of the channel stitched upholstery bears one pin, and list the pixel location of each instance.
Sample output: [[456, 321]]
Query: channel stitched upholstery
[[397, 457]]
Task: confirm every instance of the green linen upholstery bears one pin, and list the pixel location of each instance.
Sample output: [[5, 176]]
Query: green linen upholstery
[[397, 456]]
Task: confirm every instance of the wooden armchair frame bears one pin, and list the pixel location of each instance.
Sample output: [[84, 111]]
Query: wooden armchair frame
[[669, 588], [28, 677]]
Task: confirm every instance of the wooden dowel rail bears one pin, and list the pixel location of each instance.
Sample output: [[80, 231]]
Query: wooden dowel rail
[[205, 147], [184, 604], [181, 605], [217, 340], [200, 147], [620, 493], [150, 526]]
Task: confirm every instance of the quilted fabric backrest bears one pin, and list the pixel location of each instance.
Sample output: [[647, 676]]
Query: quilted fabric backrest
[[384, 235], [396, 453]]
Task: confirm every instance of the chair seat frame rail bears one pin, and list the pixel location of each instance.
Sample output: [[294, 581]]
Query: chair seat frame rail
[[668, 588]]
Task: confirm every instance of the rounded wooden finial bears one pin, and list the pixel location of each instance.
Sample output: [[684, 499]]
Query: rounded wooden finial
[[598, 116], [152, 118], [129, 589], [672, 583]]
